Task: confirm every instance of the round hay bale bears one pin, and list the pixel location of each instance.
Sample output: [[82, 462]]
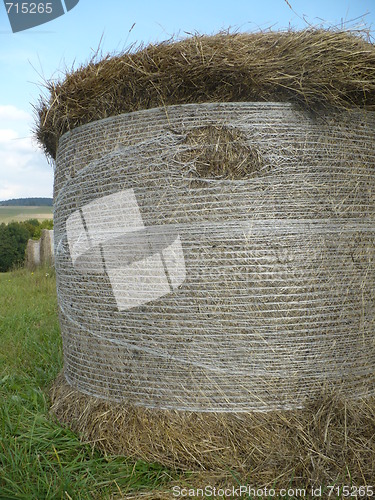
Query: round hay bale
[[207, 293], [32, 256], [215, 255], [46, 247]]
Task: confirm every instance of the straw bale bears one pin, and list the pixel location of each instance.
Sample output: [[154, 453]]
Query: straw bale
[[40, 252], [32, 256], [313, 68], [269, 308], [331, 441], [46, 247]]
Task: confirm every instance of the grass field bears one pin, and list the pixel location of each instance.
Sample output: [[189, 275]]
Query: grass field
[[39, 459], [21, 213]]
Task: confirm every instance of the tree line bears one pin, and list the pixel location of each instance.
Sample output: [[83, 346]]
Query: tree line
[[27, 202], [13, 241]]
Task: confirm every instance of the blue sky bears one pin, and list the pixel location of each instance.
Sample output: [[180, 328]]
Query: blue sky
[[28, 57]]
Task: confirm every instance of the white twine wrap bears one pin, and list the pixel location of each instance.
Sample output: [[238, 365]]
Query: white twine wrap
[[210, 294]]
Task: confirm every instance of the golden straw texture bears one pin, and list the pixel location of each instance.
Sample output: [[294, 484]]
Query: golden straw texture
[[313, 68], [331, 441]]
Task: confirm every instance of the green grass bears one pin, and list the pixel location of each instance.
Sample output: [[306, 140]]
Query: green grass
[[40, 459], [21, 213]]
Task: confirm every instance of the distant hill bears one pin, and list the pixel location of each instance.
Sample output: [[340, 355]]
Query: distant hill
[[28, 202]]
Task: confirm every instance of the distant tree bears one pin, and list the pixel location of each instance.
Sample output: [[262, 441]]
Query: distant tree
[[46, 224], [7, 249], [33, 226], [13, 241]]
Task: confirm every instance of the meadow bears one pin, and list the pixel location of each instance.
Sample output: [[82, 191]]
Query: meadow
[[40, 459], [21, 213]]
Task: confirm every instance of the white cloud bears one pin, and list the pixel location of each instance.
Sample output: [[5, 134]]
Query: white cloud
[[11, 113], [24, 171], [7, 135]]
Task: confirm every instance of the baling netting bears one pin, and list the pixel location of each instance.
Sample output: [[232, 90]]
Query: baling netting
[[217, 257]]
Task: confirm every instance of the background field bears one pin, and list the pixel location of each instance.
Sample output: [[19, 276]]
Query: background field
[[21, 213]]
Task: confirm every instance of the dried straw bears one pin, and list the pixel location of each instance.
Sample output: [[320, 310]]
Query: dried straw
[[313, 68], [330, 441]]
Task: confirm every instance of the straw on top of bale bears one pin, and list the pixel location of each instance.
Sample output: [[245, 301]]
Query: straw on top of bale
[[314, 68]]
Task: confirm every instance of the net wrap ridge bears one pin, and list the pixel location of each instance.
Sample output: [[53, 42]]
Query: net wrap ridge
[[217, 257]]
